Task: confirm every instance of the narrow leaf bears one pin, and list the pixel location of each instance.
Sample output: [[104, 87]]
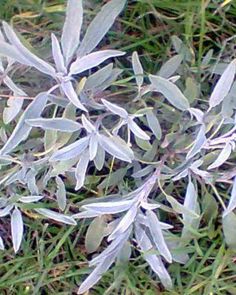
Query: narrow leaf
[[22, 130], [100, 26], [57, 55], [223, 86], [81, 169], [232, 201], [59, 124], [95, 234], [32, 59], [109, 207], [71, 30], [61, 193], [31, 199], [198, 144], [93, 147], [92, 60], [158, 238], [153, 260], [70, 93], [17, 229], [56, 216], [170, 91], [154, 124], [116, 147], [137, 130], [138, 69], [171, 66], [115, 109], [71, 151], [223, 156]]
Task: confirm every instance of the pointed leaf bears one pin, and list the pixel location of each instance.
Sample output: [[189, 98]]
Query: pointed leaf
[[57, 55], [30, 199], [223, 86], [154, 124], [17, 229], [61, 193], [95, 234], [71, 151], [198, 144], [115, 109], [59, 124], [56, 216], [158, 238], [170, 67], [93, 147], [92, 60], [137, 130], [100, 26], [170, 91], [229, 229], [153, 260], [22, 130], [100, 158], [87, 124], [81, 169], [232, 201], [71, 30], [109, 207], [32, 59], [116, 147], [70, 93], [138, 69], [223, 156]]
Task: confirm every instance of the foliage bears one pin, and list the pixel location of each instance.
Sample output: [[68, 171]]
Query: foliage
[[72, 132]]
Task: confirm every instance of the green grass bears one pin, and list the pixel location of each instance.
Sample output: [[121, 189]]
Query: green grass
[[53, 258]]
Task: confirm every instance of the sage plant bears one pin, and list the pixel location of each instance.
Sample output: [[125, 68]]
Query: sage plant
[[83, 130]]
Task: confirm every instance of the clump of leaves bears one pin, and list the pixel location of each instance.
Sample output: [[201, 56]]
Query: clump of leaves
[[164, 135]]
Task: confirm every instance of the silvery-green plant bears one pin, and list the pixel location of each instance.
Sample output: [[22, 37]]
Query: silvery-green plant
[[84, 131]]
